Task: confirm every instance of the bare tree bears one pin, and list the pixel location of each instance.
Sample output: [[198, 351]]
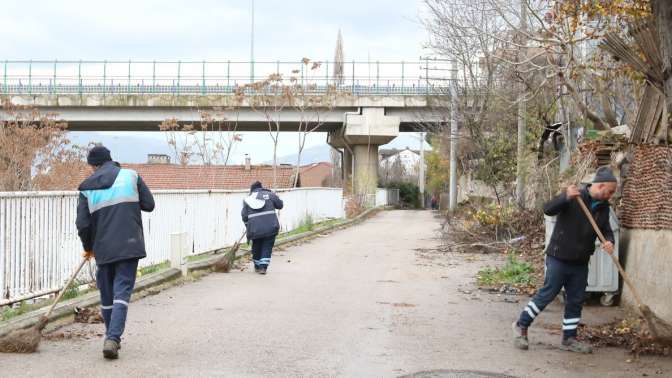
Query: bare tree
[[210, 141], [270, 97], [662, 11], [310, 102], [35, 153], [550, 52]]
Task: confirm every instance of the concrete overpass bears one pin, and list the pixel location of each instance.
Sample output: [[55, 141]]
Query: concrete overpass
[[363, 111], [144, 112]]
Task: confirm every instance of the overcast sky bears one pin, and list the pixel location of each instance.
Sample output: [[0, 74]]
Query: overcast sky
[[212, 30]]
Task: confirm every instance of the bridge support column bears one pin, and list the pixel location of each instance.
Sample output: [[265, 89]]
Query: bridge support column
[[360, 137], [346, 163]]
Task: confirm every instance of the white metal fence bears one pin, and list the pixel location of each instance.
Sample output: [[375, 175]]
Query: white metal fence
[[386, 197], [39, 245]]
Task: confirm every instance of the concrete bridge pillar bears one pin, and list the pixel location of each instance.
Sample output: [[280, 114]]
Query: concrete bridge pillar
[[360, 137], [347, 168]]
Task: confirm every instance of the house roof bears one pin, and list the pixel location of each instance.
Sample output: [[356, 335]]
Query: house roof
[[228, 177], [308, 167], [384, 153]]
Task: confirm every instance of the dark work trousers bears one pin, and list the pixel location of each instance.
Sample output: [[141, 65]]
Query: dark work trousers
[[261, 251], [574, 278], [115, 282]]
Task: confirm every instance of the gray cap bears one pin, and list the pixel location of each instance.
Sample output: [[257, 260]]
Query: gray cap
[[604, 174]]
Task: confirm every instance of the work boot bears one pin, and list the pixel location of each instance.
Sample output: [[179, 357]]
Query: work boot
[[111, 349], [520, 336], [573, 345]]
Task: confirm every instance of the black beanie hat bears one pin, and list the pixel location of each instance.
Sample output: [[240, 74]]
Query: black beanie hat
[[255, 185], [604, 174], [98, 155]]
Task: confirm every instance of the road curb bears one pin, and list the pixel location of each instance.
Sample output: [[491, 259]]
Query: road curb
[[66, 308]]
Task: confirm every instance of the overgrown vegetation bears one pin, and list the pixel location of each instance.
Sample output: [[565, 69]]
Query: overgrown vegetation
[[23, 307], [308, 224], [409, 194], [514, 272], [153, 268], [35, 153], [9, 312]]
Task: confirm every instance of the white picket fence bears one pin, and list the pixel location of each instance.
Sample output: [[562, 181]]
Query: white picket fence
[[39, 245]]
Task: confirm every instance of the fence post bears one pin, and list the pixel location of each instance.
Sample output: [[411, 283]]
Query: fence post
[[104, 77], [53, 84], [177, 251], [5, 77], [377, 76], [154, 76], [79, 78], [402, 76], [30, 77], [203, 79], [353, 77], [179, 64], [228, 73]]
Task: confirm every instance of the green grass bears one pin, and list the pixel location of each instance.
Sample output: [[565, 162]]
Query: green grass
[[9, 312], [513, 272], [307, 225], [153, 268], [72, 292], [202, 256]]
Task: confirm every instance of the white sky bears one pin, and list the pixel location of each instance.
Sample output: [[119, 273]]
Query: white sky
[[212, 30]]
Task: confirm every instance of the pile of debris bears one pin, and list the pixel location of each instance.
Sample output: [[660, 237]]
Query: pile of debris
[[478, 228], [631, 334]]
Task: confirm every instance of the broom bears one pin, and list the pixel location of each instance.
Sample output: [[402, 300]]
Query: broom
[[27, 340], [658, 328], [223, 264]]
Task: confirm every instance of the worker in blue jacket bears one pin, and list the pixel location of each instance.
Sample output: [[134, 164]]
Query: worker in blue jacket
[[261, 222], [109, 223]]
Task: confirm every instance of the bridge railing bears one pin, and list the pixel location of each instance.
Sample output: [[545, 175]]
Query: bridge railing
[[39, 245], [213, 77]]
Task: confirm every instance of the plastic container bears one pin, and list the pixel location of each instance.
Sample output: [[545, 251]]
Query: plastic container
[[602, 273]]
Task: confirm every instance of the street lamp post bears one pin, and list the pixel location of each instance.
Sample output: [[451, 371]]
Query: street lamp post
[[252, 43]]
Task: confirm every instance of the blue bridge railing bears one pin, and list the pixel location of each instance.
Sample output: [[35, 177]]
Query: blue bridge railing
[[213, 77]]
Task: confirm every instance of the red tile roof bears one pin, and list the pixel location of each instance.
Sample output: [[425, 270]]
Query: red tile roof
[[228, 177], [316, 175]]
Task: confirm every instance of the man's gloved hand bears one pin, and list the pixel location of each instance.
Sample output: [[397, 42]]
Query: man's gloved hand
[[608, 247], [88, 255], [572, 192]]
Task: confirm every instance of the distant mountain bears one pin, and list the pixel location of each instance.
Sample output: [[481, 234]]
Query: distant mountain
[[310, 155], [124, 148]]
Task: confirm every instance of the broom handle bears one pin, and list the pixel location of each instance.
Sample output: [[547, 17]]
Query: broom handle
[[613, 258], [60, 294]]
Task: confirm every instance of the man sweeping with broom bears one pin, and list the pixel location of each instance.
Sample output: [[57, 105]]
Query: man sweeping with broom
[[568, 254], [110, 223], [262, 224]]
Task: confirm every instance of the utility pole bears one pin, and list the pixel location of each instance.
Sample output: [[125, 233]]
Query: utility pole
[[453, 138], [252, 43], [522, 110], [421, 175]]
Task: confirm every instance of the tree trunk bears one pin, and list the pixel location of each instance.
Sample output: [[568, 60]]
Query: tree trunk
[[662, 11], [522, 113], [598, 122]]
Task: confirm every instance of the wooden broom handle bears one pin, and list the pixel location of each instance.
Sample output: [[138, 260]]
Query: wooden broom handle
[[60, 294], [613, 258]]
